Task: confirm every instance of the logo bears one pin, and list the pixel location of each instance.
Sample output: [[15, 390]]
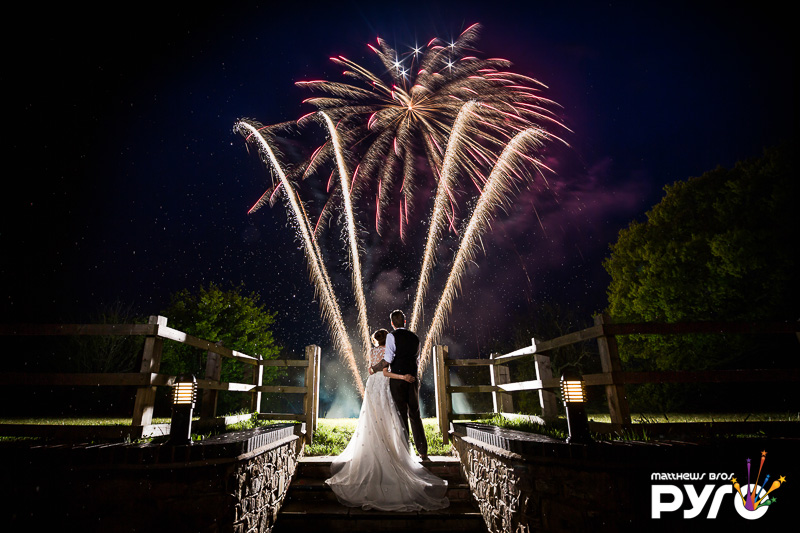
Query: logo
[[751, 500]]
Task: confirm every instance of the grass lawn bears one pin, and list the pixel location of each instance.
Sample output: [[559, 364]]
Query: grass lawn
[[654, 418], [77, 421], [558, 428], [333, 434], [331, 437]]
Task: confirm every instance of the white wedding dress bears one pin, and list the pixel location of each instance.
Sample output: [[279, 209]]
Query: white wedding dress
[[377, 469]]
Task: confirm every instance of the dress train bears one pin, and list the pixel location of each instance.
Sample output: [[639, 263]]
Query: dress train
[[377, 469]]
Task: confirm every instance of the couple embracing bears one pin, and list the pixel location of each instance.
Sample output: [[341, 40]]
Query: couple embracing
[[377, 469]]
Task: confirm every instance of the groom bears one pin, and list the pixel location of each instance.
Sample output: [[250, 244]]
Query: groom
[[402, 348]]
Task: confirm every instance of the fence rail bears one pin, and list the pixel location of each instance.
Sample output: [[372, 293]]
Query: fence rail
[[149, 378], [612, 377]]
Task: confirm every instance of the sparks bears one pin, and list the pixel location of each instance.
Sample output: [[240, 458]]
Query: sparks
[[496, 191], [319, 274], [438, 218], [469, 124], [355, 262]]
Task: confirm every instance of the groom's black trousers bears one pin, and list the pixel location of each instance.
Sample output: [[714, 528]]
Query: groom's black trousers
[[406, 398]]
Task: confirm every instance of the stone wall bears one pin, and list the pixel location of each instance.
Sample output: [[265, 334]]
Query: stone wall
[[525, 483], [231, 483], [260, 486], [503, 496]]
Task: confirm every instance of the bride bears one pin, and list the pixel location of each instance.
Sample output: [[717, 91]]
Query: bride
[[377, 469]]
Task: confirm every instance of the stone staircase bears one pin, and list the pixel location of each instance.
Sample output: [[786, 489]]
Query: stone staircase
[[311, 505]]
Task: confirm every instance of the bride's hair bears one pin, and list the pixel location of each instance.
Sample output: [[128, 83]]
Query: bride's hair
[[379, 337]]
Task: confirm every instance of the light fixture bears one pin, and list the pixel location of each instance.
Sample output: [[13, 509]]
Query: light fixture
[[574, 395], [184, 398]]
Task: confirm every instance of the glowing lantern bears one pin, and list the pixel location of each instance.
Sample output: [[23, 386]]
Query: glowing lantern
[[574, 396], [184, 398]]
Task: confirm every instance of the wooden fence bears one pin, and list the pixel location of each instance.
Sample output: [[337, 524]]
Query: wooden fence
[[148, 379], [612, 377]]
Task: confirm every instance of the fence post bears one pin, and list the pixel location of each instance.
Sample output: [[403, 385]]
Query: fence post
[[258, 380], [441, 377], [311, 403], [609, 359], [208, 407], [547, 399], [315, 402], [151, 362], [500, 375]]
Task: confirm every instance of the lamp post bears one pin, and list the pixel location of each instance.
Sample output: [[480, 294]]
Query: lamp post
[[184, 398], [574, 396]]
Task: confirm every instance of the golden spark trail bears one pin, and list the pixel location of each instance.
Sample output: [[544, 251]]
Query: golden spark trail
[[446, 181], [355, 262], [493, 195], [319, 275]]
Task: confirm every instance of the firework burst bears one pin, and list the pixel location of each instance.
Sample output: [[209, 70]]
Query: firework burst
[[399, 124], [438, 121]]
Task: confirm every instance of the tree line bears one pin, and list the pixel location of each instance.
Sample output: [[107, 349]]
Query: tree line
[[719, 247]]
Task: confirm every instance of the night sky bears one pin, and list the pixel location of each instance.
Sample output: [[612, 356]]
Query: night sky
[[125, 182]]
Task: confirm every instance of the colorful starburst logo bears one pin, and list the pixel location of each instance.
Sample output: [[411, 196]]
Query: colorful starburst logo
[[753, 499]]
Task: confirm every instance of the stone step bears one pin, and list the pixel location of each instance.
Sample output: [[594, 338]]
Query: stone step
[[311, 489], [311, 505], [446, 467], [333, 517], [309, 479]]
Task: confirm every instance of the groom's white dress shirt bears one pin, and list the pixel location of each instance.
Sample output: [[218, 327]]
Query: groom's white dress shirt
[[391, 348]]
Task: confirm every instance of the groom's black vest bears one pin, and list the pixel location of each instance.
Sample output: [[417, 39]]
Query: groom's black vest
[[405, 354]]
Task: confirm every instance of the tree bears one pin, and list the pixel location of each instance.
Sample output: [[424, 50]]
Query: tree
[[240, 321], [718, 247]]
